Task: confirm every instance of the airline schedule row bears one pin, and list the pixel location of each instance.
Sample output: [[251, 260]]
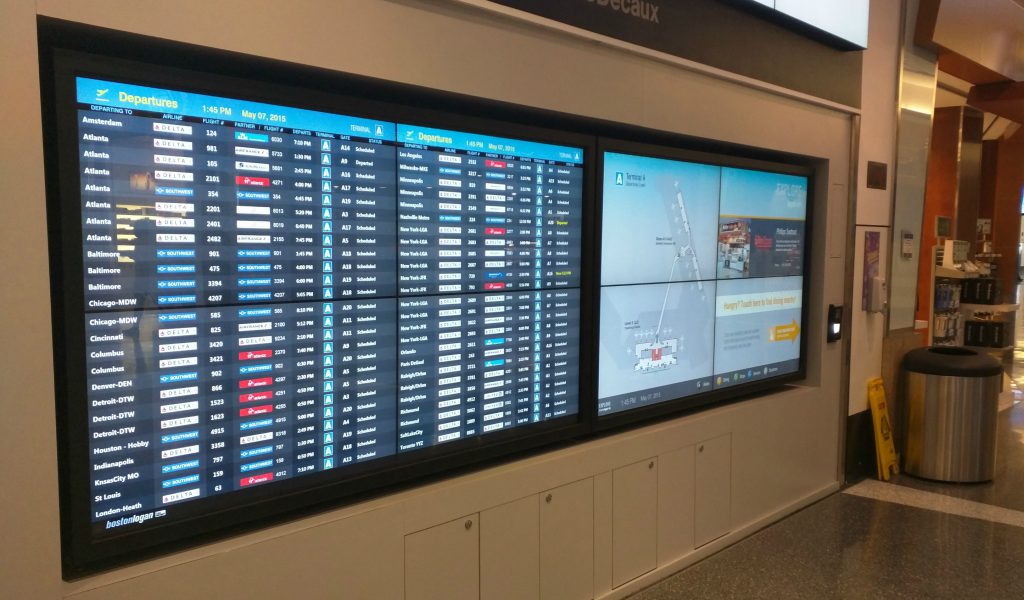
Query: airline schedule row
[[189, 403], [221, 216]]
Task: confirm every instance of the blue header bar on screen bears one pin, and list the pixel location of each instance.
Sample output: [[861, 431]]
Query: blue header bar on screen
[[456, 140], [135, 97]]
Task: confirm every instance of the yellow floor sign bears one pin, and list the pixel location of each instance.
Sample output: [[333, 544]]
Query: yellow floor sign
[[885, 450]]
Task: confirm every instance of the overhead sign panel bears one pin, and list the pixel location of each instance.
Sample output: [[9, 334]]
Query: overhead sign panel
[[844, 19]]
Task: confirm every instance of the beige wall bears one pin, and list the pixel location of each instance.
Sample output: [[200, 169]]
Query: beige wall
[[877, 143], [784, 446]]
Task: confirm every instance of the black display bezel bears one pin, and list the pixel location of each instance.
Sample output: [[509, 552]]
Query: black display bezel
[[69, 48]]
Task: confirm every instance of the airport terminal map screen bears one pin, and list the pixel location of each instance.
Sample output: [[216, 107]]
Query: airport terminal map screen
[[272, 292], [701, 278]]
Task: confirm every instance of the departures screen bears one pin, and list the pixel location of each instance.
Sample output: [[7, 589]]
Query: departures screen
[[271, 292], [701, 278]]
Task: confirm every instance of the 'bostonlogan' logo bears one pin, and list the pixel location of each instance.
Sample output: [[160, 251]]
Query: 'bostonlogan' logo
[[641, 9]]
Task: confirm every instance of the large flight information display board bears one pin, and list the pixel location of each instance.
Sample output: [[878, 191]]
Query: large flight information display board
[[271, 291]]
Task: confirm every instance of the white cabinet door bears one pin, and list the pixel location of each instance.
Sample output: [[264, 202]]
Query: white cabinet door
[[510, 551], [634, 520], [675, 504], [567, 542], [443, 562], [713, 486]]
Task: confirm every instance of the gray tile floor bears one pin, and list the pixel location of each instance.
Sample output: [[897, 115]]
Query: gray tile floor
[[909, 539], [851, 547]]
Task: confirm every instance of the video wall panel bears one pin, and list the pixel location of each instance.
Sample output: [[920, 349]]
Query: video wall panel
[[271, 292], [702, 272]]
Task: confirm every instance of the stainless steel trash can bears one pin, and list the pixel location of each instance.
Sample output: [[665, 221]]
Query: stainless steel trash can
[[950, 410]]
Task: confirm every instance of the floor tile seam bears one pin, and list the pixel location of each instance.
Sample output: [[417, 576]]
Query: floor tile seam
[[925, 500], [917, 498]]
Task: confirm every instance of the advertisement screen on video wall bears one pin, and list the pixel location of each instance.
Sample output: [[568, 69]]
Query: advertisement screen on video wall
[[702, 278]]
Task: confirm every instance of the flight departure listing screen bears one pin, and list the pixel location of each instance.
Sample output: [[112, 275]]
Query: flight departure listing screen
[[272, 291], [701, 278]]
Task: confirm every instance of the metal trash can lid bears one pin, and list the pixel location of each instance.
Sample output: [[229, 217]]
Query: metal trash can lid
[[952, 361]]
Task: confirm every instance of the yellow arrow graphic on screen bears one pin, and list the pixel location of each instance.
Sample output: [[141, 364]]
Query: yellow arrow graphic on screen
[[781, 333]]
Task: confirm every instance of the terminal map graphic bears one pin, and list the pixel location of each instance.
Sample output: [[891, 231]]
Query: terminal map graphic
[[701, 273], [655, 336], [660, 220]]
